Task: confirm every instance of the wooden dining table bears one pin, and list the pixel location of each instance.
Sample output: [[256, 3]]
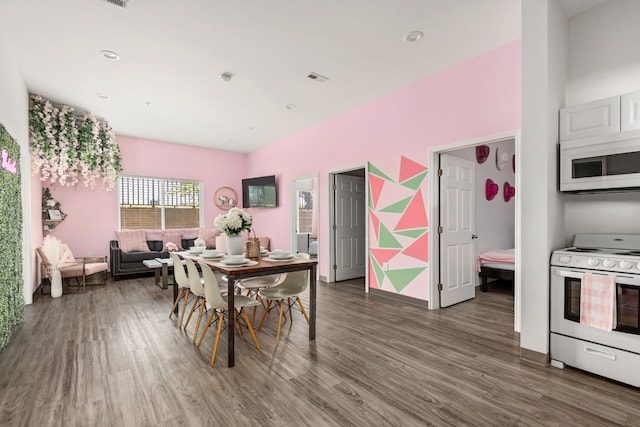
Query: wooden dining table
[[261, 268]]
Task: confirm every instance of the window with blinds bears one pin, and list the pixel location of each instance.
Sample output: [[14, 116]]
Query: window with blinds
[[158, 203]]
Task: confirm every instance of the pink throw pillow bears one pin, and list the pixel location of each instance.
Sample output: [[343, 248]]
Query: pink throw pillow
[[132, 240], [173, 237], [209, 236], [189, 233], [154, 234]]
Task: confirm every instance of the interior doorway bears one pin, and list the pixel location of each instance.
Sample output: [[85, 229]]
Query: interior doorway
[[304, 215], [348, 224], [489, 228]]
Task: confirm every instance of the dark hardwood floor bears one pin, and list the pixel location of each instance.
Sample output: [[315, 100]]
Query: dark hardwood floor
[[111, 357]]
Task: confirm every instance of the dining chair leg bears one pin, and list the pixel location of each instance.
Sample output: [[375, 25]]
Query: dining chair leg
[[193, 308], [302, 309], [280, 313], [215, 344], [206, 327], [175, 304], [195, 333], [236, 314], [184, 307], [290, 313], [264, 315], [250, 328]]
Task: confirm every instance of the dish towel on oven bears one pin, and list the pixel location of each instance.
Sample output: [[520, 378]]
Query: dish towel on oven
[[598, 301]]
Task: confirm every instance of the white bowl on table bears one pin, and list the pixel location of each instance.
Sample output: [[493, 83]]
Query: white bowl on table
[[280, 254], [196, 249], [234, 259], [211, 253]]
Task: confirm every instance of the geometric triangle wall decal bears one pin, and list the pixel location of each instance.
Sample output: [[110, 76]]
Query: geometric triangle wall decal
[[376, 184], [383, 255], [375, 171], [414, 183], [375, 221], [386, 239], [409, 168], [378, 274], [419, 249], [415, 215], [416, 232], [397, 207], [401, 278]]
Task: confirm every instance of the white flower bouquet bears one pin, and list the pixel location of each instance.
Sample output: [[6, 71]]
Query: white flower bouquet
[[233, 222]]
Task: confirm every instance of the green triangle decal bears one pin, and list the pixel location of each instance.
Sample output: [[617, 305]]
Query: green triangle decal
[[377, 172], [370, 198], [398, 207], [415, 233], [386, 239], [378, 271], [414, 183], [401, 278]]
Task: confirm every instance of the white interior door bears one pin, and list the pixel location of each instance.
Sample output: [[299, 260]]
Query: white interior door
[[457, 263], [350, 227]]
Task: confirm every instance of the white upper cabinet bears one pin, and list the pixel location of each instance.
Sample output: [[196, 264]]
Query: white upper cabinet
[[595, 118], [630, 111]]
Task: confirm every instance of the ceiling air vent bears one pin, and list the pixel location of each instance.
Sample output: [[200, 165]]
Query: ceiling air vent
[[120, 3], [317, 77]]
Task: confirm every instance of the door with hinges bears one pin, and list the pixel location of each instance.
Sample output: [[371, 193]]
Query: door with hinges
[[457, 227], [350, 227]]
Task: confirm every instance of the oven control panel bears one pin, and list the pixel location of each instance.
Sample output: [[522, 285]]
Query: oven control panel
[[600, 262]]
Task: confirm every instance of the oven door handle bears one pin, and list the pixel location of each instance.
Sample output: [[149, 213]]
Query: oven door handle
[[623, 280]]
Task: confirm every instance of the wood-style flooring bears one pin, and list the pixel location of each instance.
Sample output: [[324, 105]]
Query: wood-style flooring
[[111, 357]]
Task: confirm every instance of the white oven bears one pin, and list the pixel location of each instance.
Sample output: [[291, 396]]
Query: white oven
[[614, 354], [597, 164]]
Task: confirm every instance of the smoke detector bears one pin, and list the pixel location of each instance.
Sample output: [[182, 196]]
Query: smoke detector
[[225, 77], [317, 77], [120, 3]]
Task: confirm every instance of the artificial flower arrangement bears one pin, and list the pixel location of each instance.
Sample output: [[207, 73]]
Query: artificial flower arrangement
[[172, 247], [233, 222], [67, 151]]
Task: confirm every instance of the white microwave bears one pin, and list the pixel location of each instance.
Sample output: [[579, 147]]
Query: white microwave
[[600, 164]]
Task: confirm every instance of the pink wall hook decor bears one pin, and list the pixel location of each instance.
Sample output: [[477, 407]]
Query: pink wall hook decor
[[509, 192], [491, 189], [482, 153]]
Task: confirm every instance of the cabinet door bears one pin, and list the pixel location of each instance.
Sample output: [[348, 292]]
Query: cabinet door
[[595, 118], [630, 111]]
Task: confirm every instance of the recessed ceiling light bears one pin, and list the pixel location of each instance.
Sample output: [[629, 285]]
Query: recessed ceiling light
[[225, 77], [290, 106], [110, 55], [102, 95], [413, 36]]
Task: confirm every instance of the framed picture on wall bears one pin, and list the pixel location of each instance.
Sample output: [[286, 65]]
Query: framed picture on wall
[[55, 215]]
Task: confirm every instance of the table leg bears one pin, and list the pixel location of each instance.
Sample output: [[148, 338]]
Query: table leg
[[156, 273], [230, 321], [312, 302], [165, 275], [175, 294]]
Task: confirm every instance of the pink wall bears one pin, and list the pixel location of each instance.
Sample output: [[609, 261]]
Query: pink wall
[[481, 96], [92, 215]]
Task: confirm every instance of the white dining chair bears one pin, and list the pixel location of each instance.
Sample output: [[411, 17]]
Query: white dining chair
[[217, 304], [182, 281], [290, 289]]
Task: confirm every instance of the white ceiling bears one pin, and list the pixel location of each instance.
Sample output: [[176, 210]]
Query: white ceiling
[[166, 85]]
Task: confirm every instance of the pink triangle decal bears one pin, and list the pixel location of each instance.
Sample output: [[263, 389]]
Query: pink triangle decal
[[375, 222], [375, 184], [415, 216], [409, 169], [419, 249], [373, 280], [384, 255]]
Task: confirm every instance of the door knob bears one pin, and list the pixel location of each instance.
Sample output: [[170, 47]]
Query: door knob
[[474, 236]]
